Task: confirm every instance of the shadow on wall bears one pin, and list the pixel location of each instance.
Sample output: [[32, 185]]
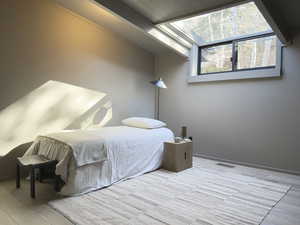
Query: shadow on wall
[[52, 107]]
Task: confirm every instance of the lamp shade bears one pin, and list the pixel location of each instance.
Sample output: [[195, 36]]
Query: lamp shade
[[159, 83]]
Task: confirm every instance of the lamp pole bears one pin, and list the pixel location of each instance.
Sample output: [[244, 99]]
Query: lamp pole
[[158, 92], [159, 84]]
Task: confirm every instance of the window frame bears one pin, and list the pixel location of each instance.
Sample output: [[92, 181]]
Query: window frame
[[193, 77], [234, 56]]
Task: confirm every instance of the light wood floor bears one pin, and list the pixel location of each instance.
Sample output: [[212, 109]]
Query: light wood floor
[[16, 207]]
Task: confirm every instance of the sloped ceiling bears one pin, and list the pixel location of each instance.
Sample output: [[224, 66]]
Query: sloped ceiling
[[93, 12], [161, 10], [287, 11]]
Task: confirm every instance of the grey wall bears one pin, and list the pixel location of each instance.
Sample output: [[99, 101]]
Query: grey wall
[[249, 121], [41, 41]]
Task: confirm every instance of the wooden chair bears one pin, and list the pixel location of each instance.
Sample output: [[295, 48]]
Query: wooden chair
[[34, 162]]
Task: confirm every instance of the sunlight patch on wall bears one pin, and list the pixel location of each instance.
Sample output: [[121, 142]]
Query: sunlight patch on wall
[[100, 114], [52, 107], [108, 114]]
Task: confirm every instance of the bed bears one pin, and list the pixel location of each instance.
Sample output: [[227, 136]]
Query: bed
[[98, 157]]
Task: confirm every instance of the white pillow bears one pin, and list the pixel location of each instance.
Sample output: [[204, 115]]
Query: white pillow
[[142, 122]]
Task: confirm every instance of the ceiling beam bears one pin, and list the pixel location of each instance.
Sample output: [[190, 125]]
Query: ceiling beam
[[274, 20], [122, 10]]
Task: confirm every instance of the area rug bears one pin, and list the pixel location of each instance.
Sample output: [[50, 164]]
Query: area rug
[[195, 196]]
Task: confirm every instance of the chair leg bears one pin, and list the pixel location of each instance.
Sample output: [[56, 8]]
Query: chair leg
[[32, 183], [18, 177], [41, 174], [57, 183]]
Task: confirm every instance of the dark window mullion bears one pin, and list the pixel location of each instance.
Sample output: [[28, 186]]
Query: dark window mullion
[[234, 55], [199, 60]]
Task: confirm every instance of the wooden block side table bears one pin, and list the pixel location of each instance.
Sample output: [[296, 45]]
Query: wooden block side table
[[178, 156]]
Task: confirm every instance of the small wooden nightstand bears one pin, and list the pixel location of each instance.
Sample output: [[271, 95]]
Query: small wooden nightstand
[[178, 156], [35, 162]]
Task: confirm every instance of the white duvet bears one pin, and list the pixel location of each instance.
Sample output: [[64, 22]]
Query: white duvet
[[98, 157]]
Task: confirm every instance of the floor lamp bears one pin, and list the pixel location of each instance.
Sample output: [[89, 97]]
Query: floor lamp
[[158, 84]]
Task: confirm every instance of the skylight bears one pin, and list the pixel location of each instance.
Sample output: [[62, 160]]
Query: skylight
[[238, 21]]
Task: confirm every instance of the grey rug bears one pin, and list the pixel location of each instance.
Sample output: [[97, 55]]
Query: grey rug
[[195, 196]]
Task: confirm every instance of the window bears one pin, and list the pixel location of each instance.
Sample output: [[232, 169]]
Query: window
[[237, 55], [223, 24], [256, 53], [234, 43], [216, 59]]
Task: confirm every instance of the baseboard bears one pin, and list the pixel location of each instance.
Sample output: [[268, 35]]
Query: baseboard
[[248, 164]]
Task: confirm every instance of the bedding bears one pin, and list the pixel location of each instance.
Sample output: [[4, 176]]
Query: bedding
[[98, 157], [142, 122]]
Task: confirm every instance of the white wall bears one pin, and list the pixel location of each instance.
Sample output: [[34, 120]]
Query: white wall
[[251, 121]]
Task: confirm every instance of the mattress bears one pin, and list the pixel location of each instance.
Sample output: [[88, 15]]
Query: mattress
[[98, 157]]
